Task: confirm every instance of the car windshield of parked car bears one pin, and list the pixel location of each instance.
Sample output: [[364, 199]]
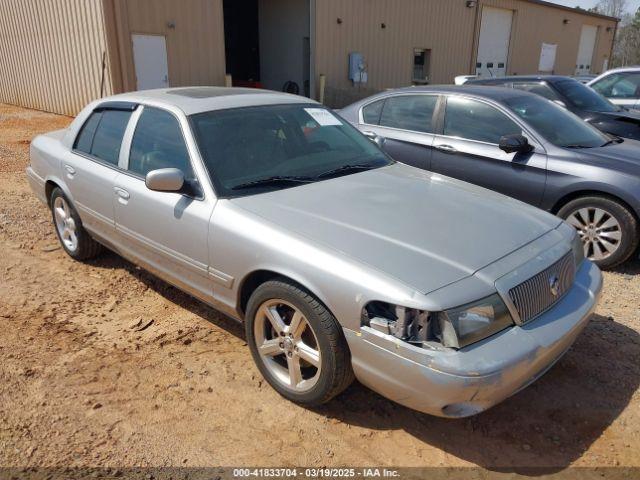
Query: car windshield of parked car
[[257, 149], [584, 98], [556, 124]]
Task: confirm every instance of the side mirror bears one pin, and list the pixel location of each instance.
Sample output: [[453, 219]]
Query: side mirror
[[515, 144], [165, 180], [375, 138]]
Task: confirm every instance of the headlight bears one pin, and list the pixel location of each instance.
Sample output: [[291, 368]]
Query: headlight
[[578, 250], [469, 323], [454, 328]]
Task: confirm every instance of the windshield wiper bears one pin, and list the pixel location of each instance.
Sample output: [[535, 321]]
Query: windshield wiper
[[578, 146], [275, 180], [346, 169]]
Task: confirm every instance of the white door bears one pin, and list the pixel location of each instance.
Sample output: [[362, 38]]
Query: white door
[[150, 59], [493, 46], [585, 49]]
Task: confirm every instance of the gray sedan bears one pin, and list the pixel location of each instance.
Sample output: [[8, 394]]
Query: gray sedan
[[519, 144], [440, 295]]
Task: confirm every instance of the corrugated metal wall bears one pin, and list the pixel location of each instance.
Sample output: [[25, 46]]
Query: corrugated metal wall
[[51, 53], [449, 28], [194, 31]]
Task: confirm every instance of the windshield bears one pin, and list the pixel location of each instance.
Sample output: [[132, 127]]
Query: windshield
[[556, 124], [257, 149], [584, 98]]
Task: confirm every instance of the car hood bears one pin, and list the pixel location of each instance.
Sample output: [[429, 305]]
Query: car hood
[[627, 116], [622, 157], [421, 228]]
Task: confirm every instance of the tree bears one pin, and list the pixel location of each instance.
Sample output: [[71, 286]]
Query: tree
[[626, 50], [612, 8]]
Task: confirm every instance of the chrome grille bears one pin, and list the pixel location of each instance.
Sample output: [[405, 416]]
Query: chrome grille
[[543, 290]]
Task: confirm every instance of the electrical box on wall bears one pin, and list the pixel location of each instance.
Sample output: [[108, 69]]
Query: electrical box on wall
[[357, 68]]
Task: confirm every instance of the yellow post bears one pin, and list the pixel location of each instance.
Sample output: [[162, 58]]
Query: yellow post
[[323, 82]]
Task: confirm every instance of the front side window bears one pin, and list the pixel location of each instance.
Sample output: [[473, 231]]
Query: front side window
[[409, 112], [101, 135], [556, 124], [474, 120], [619, 85], [583, 97], [256, 149], [538, 88], [158, 143]]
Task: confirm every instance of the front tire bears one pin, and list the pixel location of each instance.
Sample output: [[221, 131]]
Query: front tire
[[297, 344], [75, 240], [609, 231]]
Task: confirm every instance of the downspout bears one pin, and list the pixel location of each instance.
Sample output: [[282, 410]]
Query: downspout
[[476, 40]]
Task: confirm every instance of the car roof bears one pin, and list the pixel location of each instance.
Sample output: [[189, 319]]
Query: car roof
[[525, 78], [192, 100], [489, 91]]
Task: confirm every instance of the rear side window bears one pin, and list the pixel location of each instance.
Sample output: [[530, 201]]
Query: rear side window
[[409, 112], [371, 113], [158, 143], [101, 136], [473, 120], [538, 88]]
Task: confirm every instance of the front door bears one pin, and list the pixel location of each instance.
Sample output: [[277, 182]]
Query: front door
[[467, 149], [165, 231], [150, 60]]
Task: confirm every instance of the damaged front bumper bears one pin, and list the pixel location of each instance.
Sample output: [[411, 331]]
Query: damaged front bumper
[[460, 383]]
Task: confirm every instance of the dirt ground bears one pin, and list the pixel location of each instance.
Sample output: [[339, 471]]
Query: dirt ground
[[83, 384]]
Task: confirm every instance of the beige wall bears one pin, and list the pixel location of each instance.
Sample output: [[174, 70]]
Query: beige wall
[[535, 24], [448, 28], [195, 46], [52, 54]]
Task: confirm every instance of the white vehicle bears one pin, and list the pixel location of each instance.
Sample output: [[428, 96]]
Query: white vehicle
[[462, 79], [620, 85]]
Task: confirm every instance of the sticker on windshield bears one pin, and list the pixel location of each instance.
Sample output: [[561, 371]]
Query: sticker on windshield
[[323, 117]]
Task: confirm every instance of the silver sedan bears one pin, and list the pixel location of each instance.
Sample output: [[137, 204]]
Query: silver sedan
[[440, 295]]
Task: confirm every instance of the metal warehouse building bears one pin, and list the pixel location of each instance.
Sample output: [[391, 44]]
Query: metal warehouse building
[[57, 55]]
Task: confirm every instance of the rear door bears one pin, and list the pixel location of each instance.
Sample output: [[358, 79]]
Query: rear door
[[166, 231], [467, 148], [407, 123], [91, 167]]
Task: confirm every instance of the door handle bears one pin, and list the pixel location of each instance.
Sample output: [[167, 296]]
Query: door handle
[[122, 193], [70, 170], [446, 148]]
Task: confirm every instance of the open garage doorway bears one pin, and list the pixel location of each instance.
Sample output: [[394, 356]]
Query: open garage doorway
[[268, 44]]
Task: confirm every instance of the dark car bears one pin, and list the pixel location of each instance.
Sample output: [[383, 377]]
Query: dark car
[[576, 97], [519, 144]]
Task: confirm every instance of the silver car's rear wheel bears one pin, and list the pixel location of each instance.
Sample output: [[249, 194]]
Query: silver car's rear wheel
[[297, 344], [599, 230], [287, 345], [65, 224]]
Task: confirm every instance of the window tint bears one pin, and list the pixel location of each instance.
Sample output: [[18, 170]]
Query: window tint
[[371, 113], [158, 143], [556, 124], [583, 97], [409, 112], [619, 85], [85, 138], [475, 120], [537, 88], [108, 137]]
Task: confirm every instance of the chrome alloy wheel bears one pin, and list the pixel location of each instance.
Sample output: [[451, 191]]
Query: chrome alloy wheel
[[287, 345], [65, 224], [600, 232]]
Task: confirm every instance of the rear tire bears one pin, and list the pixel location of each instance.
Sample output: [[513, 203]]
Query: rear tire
[[297, 344], [608, 229], [75, 240]]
